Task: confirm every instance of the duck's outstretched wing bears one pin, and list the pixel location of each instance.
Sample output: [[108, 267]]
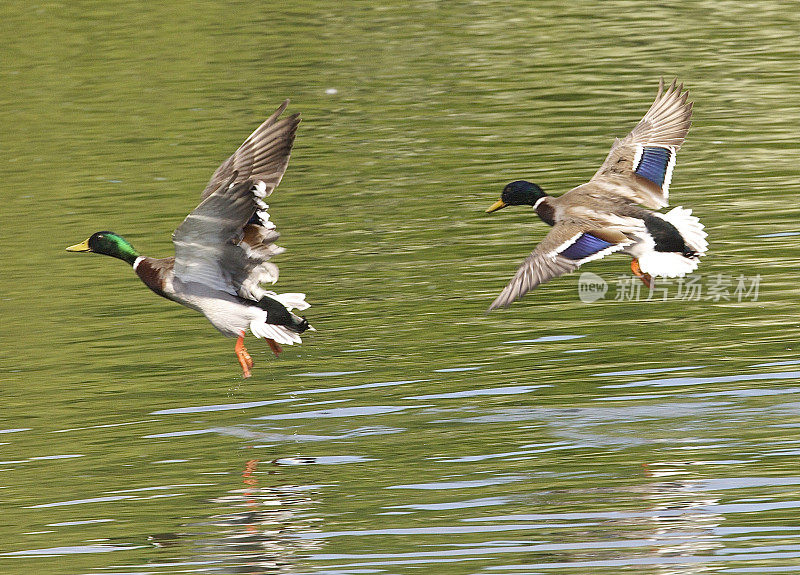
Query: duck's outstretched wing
[[226, 242], [563, 250], [263, 156], [639, 166]]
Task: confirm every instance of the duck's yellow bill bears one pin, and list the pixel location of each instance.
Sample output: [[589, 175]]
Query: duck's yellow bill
[[81, 247], [499, 204]]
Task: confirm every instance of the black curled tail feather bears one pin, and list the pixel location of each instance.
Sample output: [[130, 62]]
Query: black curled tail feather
[[301, 325], [277, 314]]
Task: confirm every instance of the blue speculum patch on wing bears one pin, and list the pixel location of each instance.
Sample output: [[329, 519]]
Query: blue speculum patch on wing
[[653, 164], [585, 246]]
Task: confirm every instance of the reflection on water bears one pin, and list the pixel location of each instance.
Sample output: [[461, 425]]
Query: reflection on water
[[690, 533], [668, 482], [257, 533], [256, 529], [492, 476]]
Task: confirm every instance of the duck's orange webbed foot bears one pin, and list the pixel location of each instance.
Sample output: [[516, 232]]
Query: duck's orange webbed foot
[[244, 358], [647, 279], [274, 346]]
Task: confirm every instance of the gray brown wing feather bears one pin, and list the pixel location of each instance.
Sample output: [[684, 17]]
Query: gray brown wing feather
[[264, 155], [665, 125], [544, 264], [206, 241], [220, 243]]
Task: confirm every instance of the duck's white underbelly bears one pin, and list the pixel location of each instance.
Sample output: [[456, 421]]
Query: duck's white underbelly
[[232, 315], [225, 312], [231, 318]]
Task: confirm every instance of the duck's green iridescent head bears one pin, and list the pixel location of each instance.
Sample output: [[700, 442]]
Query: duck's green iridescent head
[[519, 193], [109, 244]]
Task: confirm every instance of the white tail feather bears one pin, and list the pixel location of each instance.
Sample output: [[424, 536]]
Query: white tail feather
[[667, 264], [673, 264], [292, 300], [283, 335]]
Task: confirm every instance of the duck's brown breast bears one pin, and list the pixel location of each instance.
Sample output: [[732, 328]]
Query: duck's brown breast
[[546, 211], [155, 273]]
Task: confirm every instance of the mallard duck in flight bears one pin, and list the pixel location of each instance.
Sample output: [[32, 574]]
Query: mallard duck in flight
[[223, 248], [605, 215]]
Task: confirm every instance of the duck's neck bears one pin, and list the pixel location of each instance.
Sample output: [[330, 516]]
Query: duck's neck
[[545, 210], [129, 257], [154, 273], [118, 247]]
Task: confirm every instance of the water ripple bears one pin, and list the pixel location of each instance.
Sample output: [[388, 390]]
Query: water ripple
[[352, 387], [342, 412], [71, 550], [469, 484], [510, 390], [219, 407], [707, 380], [545, 338], [646, 371]]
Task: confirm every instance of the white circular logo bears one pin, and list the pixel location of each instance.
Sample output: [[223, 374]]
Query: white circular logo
[[591, 287]]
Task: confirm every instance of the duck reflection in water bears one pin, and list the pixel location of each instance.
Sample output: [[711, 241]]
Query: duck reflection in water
[[258, 532]]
